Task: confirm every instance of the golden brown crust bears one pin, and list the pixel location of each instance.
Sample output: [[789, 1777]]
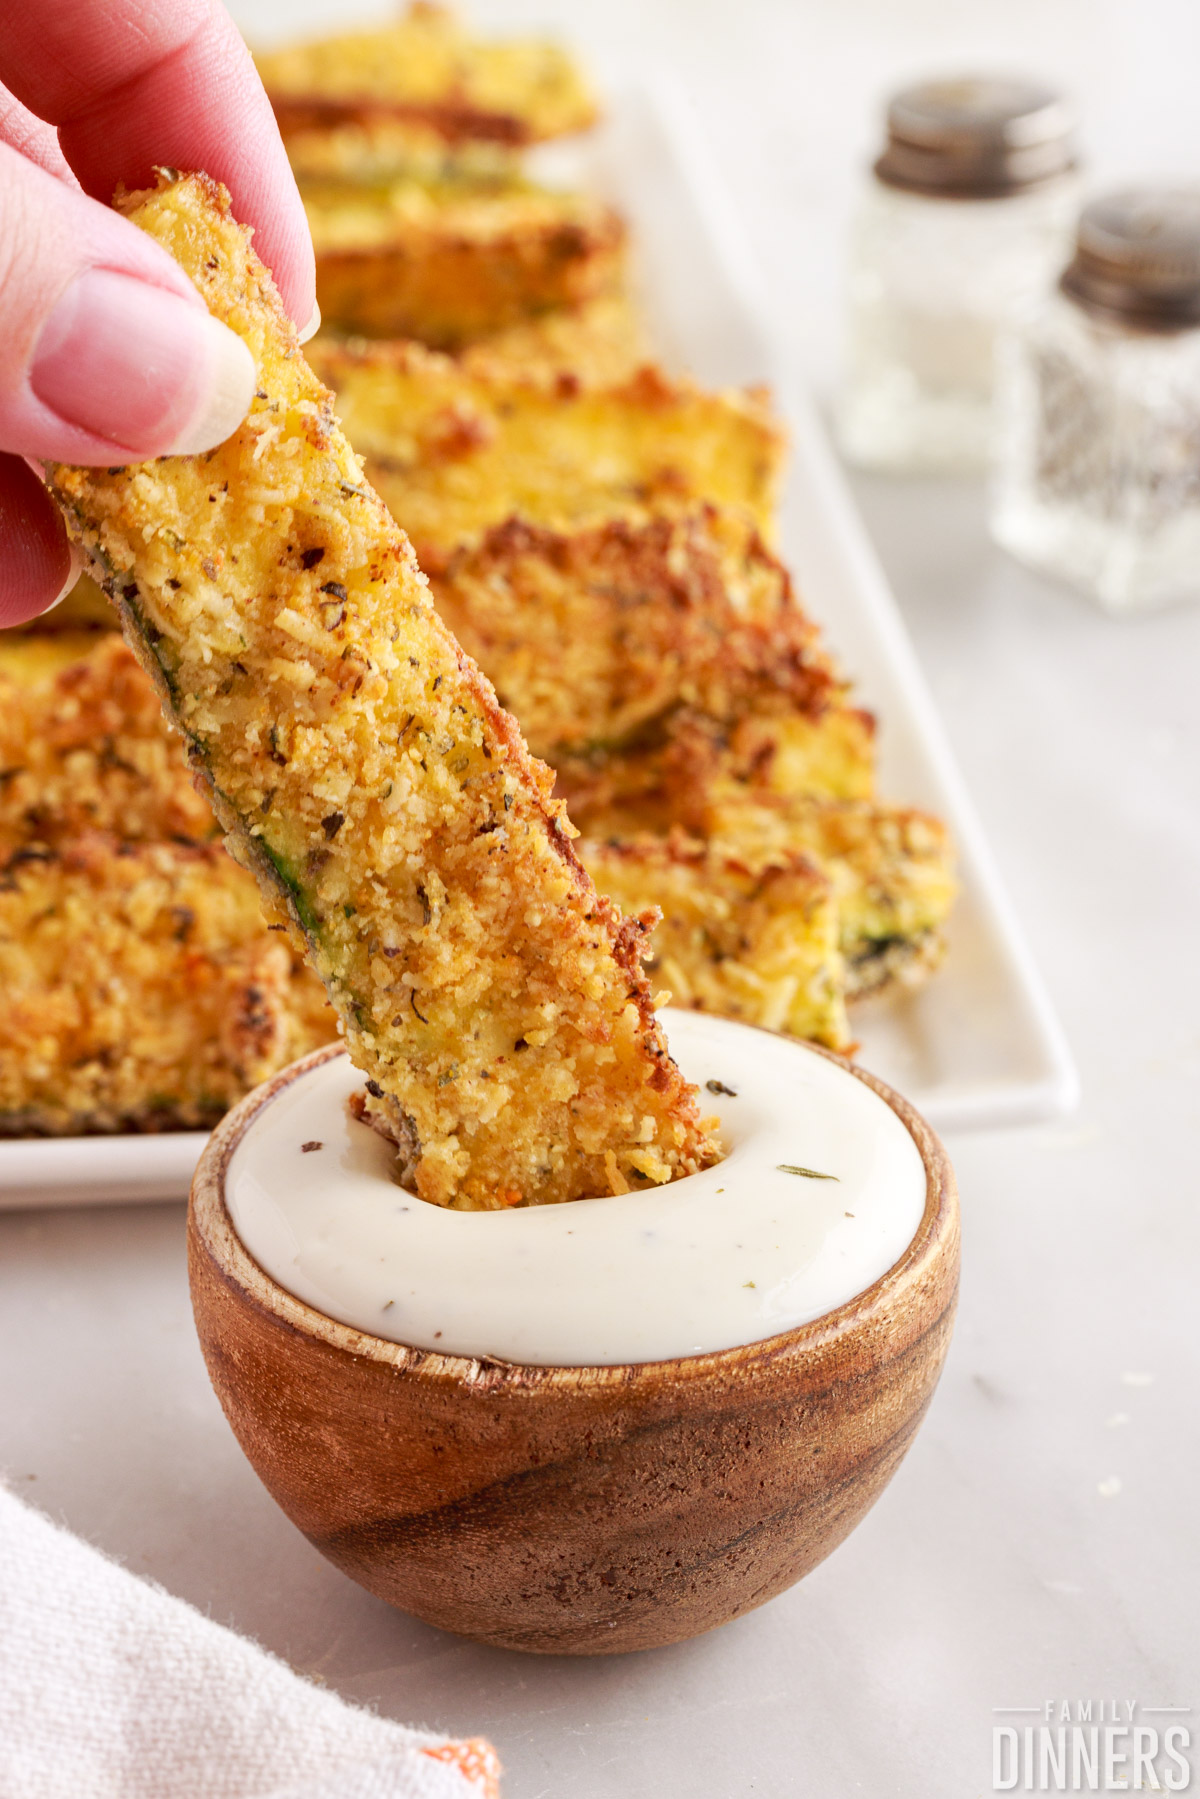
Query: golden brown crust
[[593, 635], [427, 69], [651, 661], [891, 869], [365, 772], [83, 747], [665, 670], [887, 874], [756, 942], [141, 991], [455, 450], [449, 268], [679, 767], [357, 154], [452, 120], [600, 344]]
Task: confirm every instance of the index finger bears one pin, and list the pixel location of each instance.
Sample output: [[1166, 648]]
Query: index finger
[[135, 83]]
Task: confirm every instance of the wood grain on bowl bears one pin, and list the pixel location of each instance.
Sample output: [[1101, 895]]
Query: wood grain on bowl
[[573, 1510]]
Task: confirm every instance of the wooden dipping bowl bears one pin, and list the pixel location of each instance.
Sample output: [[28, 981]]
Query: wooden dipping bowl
[[574, 1511]]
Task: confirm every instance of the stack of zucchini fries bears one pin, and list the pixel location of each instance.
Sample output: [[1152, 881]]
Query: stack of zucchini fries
[[598, 536]]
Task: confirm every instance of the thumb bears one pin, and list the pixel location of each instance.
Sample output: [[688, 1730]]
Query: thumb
[[107, 352]]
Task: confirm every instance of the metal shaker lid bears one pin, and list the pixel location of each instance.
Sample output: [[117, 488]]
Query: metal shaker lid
[[976, 137], [1137, 257]]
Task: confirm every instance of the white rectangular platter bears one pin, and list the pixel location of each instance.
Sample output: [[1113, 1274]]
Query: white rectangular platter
[[980, 1046]]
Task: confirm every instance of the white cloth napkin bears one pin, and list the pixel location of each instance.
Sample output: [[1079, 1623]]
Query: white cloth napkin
[[112, 1689]]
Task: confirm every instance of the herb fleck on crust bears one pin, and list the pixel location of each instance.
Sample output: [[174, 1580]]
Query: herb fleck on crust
[[494, 998]]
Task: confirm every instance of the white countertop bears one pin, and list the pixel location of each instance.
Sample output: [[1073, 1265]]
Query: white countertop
[[1040, 1542]]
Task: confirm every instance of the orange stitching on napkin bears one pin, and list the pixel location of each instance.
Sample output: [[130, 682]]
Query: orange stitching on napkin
[[476, 1760]]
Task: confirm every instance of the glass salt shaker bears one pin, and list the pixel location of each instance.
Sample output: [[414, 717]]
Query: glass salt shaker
[[1098, 427], [968, 218]]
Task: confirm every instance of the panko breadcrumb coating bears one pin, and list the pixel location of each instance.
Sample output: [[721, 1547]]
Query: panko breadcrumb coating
[[891, 869], [600, 344], [454, 451], [612, 641], [451, 261], [141, 990], [758, 943], [589, 636], [666, 671], [133, 965], [361, 152], [427, 68], [445, 243], [364, 771], [755, 736], [788, 910], [83, 746]]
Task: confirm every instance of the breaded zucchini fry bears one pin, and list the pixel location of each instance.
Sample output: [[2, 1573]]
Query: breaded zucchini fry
[[427, 68], [592, 636], [671, 774], [141, 991], [600, 344], [366, 774], [451, 261], [381, 148], [83, 746], [453, 452], [790, 908], [767, 742], [892, 870], [760, 944]]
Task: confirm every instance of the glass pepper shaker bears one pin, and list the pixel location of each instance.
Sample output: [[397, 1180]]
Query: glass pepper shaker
[[967, 219], [1098, 427]]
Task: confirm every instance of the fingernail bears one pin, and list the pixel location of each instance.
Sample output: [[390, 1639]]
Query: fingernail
[[78, 564], [142, 368], [232, 379], [313, 325]]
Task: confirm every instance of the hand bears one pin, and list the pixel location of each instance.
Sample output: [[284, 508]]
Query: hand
[[107, 353]]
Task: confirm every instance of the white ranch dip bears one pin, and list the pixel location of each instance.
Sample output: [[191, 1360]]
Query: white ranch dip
[[722, 1258]]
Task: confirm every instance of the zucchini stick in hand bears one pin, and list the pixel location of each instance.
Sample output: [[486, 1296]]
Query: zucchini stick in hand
[[363, 769]]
